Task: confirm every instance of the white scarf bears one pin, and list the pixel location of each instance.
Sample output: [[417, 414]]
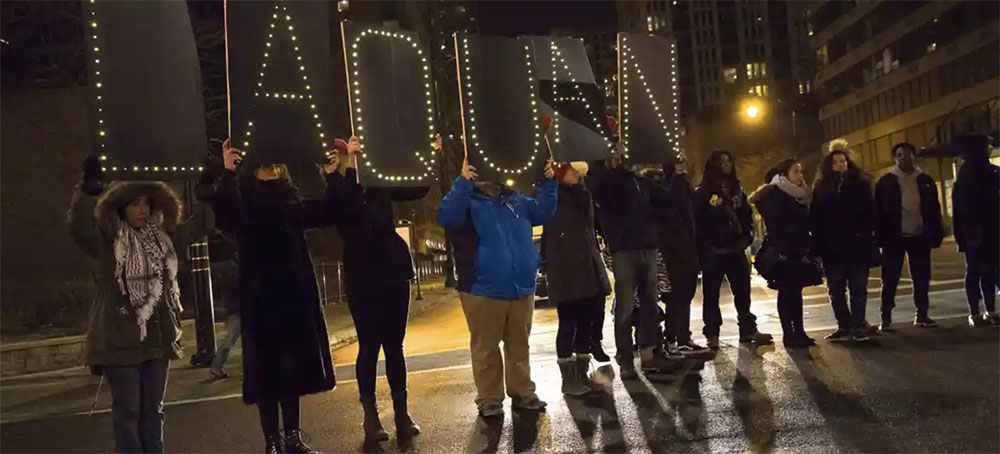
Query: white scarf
[[800, 193], [141, 258]]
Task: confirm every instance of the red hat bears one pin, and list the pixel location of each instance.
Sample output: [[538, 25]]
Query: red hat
[[340, 145]]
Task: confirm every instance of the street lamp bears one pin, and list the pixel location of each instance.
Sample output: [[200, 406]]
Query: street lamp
[[752, 109]]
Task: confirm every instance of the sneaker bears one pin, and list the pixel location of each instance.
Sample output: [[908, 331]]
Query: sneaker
[[491, 410], [839, 335], [757, 337], [672, 351], [978, 321], [860, 335], [869, 329], [532, 403], [924, 322], [597, 350], [690, 348], [992, 318], [713, 342], [218, 374]]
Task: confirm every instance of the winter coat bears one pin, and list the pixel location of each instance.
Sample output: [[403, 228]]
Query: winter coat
[[888, 210], [494, 254], [842, 221], [626, 208], [286, 349], [723, 220], [112, 331], [374, 254], [573, 263], [976, 208], [787, 223], [675, 217]]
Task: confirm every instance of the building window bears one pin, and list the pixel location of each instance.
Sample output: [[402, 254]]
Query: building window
[[822, 56], [730, 75]]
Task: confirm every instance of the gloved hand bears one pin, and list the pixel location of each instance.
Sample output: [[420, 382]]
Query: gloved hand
[[93, 176]]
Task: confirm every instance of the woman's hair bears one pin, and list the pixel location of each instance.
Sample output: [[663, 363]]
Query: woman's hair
[[713, 168], [769, 175], [826, 172], [785, 166]]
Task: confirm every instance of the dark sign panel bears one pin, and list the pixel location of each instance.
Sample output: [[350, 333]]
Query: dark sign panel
[[648, 98], [392, 109], [571, 97], [501, 119], [147, 89], [280, 80]]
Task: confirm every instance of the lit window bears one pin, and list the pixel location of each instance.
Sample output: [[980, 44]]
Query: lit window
[[749, 71], [802, 89], [729, 74], [763, 70]]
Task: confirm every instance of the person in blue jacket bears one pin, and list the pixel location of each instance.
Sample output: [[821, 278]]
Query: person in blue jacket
[[497, 263]]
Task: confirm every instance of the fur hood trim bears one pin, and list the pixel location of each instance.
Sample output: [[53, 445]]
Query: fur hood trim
[[166, 205]]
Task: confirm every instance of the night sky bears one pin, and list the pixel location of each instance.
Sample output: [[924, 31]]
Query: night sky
[[540, 17]]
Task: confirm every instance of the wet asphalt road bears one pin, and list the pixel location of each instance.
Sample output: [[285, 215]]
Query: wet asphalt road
[[915, 390]]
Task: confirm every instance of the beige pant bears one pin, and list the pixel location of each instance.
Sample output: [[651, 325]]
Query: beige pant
[[490, 322]]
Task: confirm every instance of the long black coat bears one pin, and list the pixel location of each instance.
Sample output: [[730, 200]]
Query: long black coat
[[373, 253], [286, 349], [573, 263], [787, 223], [976, 205], [843, 221]]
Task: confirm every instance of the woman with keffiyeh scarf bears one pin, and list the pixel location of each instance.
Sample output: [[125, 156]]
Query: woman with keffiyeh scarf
[[132, 234]]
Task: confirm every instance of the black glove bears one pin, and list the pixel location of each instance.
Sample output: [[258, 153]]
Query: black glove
[[93, 176]]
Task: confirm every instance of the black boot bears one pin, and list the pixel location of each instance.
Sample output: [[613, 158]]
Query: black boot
[[597, 350], [273, 444], [405, 427], [374, 431], [295, 445]]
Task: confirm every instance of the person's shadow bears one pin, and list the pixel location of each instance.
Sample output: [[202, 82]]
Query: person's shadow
[[598, 411], [686, 401], [485, 437], [752, 401]]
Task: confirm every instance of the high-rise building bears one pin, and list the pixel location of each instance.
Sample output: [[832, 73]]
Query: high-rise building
[[915, 71]]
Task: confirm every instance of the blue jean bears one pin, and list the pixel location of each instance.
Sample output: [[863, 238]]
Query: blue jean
[[233, 327], [840, 278], [635, 270], [137, 405]]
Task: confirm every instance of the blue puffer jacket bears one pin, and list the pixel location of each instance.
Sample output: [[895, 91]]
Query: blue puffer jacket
[[494, 254]]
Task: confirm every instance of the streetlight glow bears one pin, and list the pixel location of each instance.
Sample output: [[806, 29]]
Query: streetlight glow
[[752, 111]]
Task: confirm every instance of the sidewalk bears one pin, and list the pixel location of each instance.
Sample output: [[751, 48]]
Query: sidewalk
[[72, 391]]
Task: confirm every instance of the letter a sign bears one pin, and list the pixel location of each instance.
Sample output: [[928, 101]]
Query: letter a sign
[[280, 80], [648, 98]]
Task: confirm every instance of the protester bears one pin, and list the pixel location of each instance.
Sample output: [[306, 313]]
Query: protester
[[723, 222], [909, 223], [597, 335], [680, 258], [628, 223], [784, 204], [976, 205], [286, 349], [842, 224], [132, 234], [577, 279], [225, 281], [497, 265], [378, 269]]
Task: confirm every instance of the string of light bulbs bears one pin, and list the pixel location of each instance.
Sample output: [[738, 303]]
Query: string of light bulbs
[[281, 13], [556, 54], [102, 129], [470, 111], [358, 118], [628, 58]]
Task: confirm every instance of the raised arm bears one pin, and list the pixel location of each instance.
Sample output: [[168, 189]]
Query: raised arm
[[80, 218], [454, 207], [543, 207], [227, 203]]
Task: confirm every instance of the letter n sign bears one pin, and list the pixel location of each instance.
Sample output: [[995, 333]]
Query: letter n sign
[[648, 98], [391, 103]]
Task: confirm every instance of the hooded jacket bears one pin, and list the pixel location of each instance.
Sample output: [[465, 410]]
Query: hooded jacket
[[976, 205], [888, 210], [626, 207], [112, 334], [494, 254]]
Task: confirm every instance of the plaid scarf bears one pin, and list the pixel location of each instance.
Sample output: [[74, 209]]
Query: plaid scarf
[[142, 256]]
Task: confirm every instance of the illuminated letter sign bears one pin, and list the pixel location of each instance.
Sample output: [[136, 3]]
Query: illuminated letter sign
[[280, 86], [391, 102], [648, 97], [150, 119]]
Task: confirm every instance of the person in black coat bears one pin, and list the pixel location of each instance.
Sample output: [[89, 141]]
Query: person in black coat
[[724, 230], [378, 269], [286, 349], [577, 280], [976, 217], [784, 204], [909, 223], [842, 224], [680, 256]]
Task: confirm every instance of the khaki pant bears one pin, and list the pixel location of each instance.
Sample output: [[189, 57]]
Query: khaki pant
[[490, 322]]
